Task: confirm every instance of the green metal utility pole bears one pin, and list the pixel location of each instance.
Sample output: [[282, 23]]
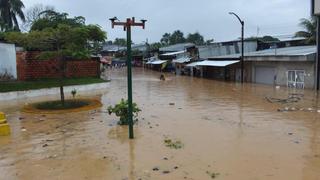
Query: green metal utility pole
[[127, 27], [242, 45]]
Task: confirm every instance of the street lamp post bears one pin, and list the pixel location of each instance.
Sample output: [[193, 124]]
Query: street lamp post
[[242, 44], [127, 27]]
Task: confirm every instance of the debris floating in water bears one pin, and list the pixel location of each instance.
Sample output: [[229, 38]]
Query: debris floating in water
[[173, 144], [292, 98]]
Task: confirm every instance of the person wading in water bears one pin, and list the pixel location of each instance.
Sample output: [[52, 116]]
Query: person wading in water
[[162, 78]]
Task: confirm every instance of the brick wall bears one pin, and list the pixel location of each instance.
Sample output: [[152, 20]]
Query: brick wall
[[30, 69]]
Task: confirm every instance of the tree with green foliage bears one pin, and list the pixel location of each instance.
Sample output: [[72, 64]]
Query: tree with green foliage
[[165, 40], [177, 37], [195, 38], [266, 39], [269, 39], [310, 26], [51, 19], [120, 42], [209, 41], [155, 46], [33, 13], [75, 42], [2, 36], [10, 10], [63, 38]]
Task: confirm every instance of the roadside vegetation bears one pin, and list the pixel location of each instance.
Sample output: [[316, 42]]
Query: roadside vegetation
[[310, 30], [57, 105], [121, 111], [46, 83], [54, 34]]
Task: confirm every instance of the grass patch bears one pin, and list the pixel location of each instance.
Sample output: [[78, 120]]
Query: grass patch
[[57, 105], [46, 83]]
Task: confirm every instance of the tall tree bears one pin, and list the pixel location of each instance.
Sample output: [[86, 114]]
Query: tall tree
[[155, 46], [33, 13], [10, 10], [177, 37], [209, 41], [310, 26], [52, 19], [120, 42], [267, 39], [195, 38], [165, 40]]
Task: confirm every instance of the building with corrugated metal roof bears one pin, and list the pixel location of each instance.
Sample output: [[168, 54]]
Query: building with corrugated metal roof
[[291, 66]]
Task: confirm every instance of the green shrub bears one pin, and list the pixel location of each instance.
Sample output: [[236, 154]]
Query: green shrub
[[57, 105], [81, 55], [55, 31], [121, 110], [47, 55]]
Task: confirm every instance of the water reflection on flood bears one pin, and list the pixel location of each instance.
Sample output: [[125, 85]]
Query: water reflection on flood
[[226, 128]]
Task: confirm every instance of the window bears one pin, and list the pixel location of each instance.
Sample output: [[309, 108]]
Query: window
[[296, 79]]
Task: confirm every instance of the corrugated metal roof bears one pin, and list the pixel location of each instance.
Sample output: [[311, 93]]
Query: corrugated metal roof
[[113, 48], [212, 63], [116, 48], [216, 63], [285, 38], [177, 47], [192, 64], [288, 51], [157, 62], [182, 60], [174, 53]]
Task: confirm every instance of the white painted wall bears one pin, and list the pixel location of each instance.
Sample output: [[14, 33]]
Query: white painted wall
[[8, 63], [317, 7]]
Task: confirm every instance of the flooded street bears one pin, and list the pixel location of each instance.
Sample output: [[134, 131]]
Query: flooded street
[[228, 131]]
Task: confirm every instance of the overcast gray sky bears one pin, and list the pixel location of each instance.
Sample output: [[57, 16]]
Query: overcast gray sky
[[209, 17]]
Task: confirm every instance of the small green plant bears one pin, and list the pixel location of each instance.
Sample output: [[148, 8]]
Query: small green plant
[[213, 175], [74, 93], [173, 144], [121, 110]]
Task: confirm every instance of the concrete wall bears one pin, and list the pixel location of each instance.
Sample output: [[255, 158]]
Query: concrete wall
[[8, 67], [281, 68]]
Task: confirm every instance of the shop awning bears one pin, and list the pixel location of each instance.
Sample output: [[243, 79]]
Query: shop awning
[[182, 60], [216, 63], [194, 64], [157, 62], [173, 53]]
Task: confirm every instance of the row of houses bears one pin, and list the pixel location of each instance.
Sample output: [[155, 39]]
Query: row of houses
[[288, 61], [288, 66]]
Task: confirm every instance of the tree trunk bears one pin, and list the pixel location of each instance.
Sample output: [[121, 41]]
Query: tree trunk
[[62, 94], [63, 75]]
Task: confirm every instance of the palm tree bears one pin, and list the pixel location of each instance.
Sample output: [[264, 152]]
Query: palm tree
[[9, 11], [310, 26]]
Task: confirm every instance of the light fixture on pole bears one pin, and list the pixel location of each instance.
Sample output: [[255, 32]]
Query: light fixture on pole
[[242, 44], [127, 27]]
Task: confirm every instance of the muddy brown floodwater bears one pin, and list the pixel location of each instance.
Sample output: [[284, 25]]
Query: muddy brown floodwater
[[228, 131]]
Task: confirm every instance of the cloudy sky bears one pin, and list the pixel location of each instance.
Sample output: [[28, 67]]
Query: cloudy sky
[[209, 17]]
